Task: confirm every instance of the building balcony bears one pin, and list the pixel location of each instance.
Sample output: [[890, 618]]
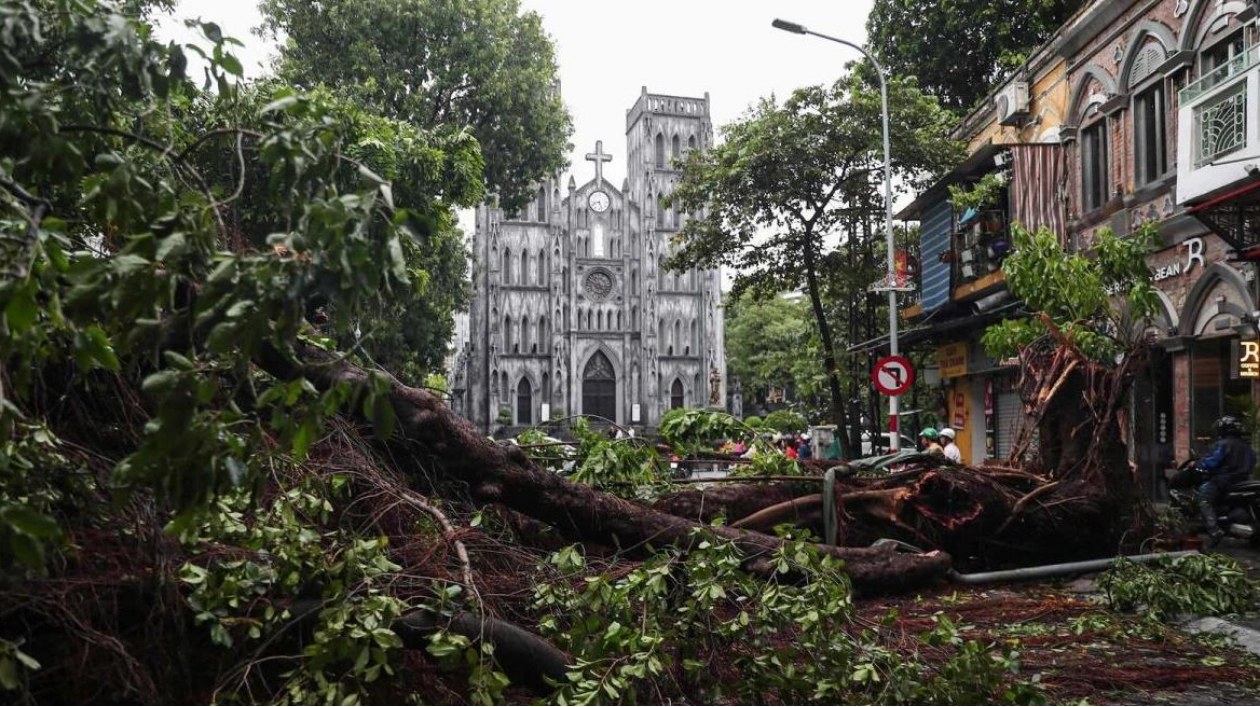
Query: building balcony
[[1218, 141]]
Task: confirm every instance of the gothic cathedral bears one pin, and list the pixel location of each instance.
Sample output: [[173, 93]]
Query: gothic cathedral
[[571, 311]]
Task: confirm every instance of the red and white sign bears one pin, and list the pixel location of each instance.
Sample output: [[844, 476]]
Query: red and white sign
[[893, 375]]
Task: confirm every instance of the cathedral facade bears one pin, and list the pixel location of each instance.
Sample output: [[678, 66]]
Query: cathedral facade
[[571, 310]]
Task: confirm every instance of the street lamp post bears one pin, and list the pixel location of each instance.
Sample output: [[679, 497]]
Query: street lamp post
[[894, 401]]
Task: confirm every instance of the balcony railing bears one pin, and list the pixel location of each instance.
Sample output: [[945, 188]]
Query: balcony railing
[[1221, 74], [1220, 126]]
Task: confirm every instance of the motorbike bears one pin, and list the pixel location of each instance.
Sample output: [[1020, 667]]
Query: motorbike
[[1238, 508]]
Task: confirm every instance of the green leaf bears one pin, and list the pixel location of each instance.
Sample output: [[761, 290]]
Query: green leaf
[[100, 349], [8, 673], [21, 310], [33, 523]]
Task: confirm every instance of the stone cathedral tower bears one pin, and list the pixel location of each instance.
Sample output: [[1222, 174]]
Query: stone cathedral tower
[[571, 311]]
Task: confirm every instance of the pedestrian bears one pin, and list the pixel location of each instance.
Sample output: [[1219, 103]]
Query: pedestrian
[[952, 452], [1230, 462], [928, 442], [804, 451]]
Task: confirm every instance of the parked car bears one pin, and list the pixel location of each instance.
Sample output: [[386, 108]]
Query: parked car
[[883, 444]]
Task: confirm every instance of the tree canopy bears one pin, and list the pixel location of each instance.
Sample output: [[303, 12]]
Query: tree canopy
[[773, 343], [959, 49], [478, 64], [788, 176]]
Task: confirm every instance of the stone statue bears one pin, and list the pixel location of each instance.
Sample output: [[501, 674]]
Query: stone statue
[[715, 386]]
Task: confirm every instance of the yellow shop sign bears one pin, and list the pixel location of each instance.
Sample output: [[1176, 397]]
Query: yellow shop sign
[[952, 360]]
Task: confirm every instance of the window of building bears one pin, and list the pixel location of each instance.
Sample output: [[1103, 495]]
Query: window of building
[[542, 334], [524, 267], [542, 204], [1150, 154], [542, 266], [597, 237], [691, 142], [676, 395], [503, 388], [507, 335], [675, 149], [526, 333], [677, 341], [1094, 165], [1214, 391], [524, 403], [1221, 53], [507, 266], [660, 150]]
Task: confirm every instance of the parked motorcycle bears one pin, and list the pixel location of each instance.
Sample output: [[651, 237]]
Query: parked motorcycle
[[1238, 508]]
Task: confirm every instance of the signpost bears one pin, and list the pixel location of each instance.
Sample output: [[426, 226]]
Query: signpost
[[893, 375]]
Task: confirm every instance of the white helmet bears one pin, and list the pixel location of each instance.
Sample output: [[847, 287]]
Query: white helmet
[[947, 432]]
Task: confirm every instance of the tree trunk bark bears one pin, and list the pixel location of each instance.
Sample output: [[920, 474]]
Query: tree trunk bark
[[429, 434], [829, 352]]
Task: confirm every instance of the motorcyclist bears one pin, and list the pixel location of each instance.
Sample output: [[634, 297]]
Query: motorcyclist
[[1230, 462], [928, 441]]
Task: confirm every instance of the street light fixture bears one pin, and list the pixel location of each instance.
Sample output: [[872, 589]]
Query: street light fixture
[[894, 401]]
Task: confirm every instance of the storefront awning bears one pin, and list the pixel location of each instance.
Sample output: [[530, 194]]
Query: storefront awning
[[911, 337], [1235, 217]]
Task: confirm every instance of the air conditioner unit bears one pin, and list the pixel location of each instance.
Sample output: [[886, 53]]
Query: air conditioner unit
[[1012, 103]]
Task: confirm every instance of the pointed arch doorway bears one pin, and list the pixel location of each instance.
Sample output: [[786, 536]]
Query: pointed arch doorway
[[599, 388]]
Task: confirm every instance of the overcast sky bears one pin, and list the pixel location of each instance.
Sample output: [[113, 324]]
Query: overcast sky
[[607, 51]]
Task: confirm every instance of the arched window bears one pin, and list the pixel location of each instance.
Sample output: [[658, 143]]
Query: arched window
[[543, 336], [597, 237], [660, 212], [525, 334], [524, 267], [634, 318], [524, 403], [542, 266], [676, 395], [599, 388], [544, 394], [674, 145], [542, 203], [507, 337], [634, 281], [619, 327], [660, 150], [695, 342], [691, 142], [507, 266], [677, 342], [660, 339], [503, 389]]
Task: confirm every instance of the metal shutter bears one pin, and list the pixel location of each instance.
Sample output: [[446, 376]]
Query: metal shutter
[[1010, 415]]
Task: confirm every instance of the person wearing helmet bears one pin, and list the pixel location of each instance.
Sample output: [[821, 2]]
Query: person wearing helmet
[[1230, 462], [952, 452], [928, 441]]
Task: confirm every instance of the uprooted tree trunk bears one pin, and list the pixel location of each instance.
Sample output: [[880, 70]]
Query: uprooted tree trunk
[[429, 435], [1076, 498]]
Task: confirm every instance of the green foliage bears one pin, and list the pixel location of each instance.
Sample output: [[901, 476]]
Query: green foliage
[[481, 65], [786, 421], [959, 50], [788, 176], [1198, 584], [627, 466], [662, 624], [978, 195], [691, 431], [1101, 304], [754, 422], [287, 552], [773, 342]]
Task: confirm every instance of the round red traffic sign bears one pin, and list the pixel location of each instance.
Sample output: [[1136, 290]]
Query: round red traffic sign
[[893, 375]]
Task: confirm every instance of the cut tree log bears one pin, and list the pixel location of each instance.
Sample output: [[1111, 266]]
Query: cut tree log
[[429, 435]]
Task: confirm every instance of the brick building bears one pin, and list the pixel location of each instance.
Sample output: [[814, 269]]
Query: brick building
[[1153, 111]]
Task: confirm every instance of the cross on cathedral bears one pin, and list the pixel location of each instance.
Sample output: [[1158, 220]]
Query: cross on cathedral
[[599, 157]]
